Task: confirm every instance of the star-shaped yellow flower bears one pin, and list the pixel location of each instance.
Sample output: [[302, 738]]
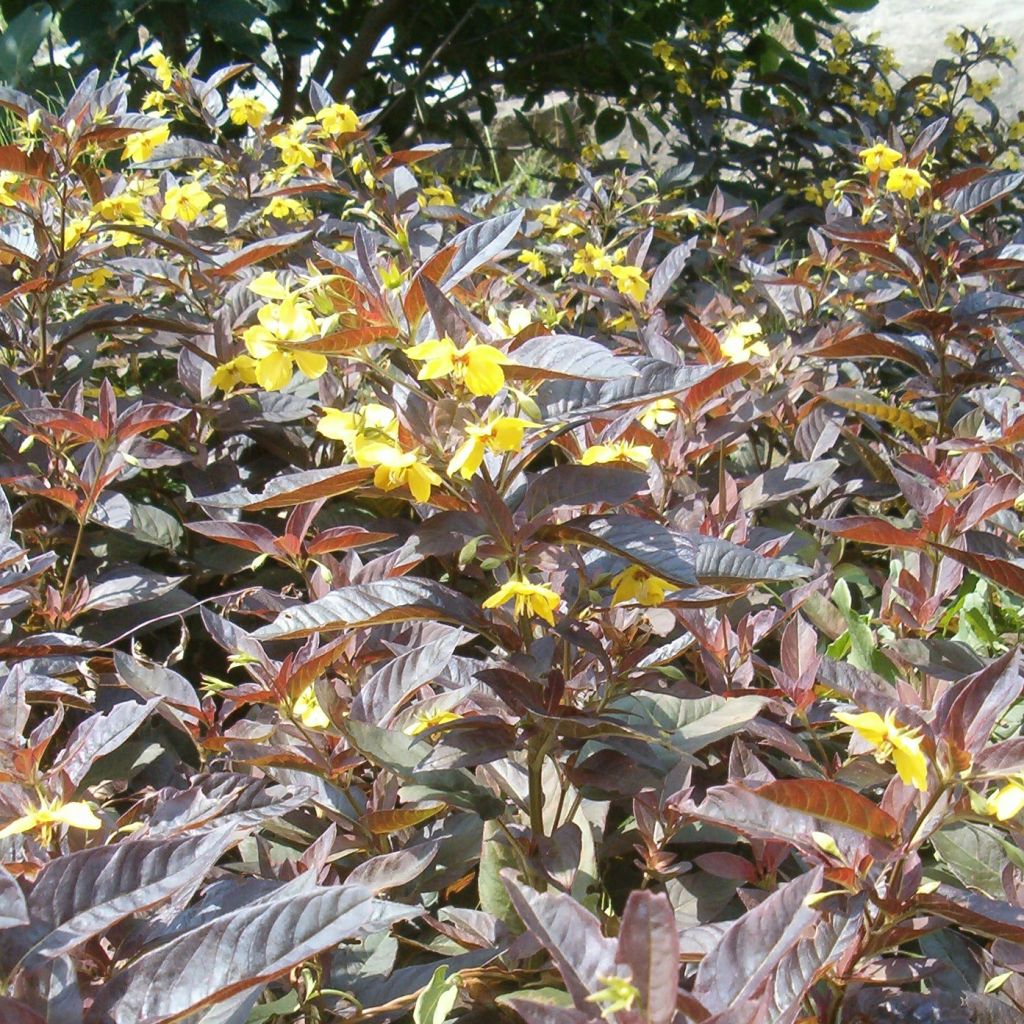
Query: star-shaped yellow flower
[[880, 157], [76, 814], [530, 599], [741, 342], [892, 742], [395, 467], [638, 585], [140, 146], [504, 434], [617, 451], [284, 321], [478, 367]]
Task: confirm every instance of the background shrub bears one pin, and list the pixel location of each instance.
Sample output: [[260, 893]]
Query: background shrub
[[425, 600]]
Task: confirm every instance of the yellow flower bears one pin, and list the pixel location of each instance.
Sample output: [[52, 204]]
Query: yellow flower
[[240, 370], [9, 182], [308, 711], [956, 42], [533, 260], [617, 451], [287, 321], [287, 208], [73, 231], [892, 743], [371, 422], [247, 110], [425, 720], [740, 343], [504, 434], [338, 119], [660, 413], [619, 994], [591, 261], [477, 366], [94, 279], [164, 69], [907, 181], [140, 146], [1008, 802], [519, 318], [549, 215], [294, 152], [437, 195], [77, 814], [530, 599], [880, 157], [719, 74], [155, 100], [842, 41], [629, 280], [980, 91], [185, 202], [397, 468], [662, 49], [126, 207], [636, 584]]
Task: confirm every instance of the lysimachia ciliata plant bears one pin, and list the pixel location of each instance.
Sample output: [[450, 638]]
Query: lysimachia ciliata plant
[[420, 603]]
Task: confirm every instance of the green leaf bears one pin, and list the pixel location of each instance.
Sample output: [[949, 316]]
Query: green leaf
[[21, 41], [437, 999], [977, 855], [610, 122]]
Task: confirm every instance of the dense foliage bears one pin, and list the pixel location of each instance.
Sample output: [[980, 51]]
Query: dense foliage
[[420, 601], [417, 65]]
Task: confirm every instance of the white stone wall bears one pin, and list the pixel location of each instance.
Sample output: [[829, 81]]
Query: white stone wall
[[915, 30]]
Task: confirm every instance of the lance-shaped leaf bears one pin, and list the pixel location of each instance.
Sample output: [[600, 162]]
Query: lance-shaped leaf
[[13, 908], [82, 895], [386, 688], [833, 802], [968, 711], [478, 244], [230, 263], [293, 489], [251, 945], [873, 346], [985, 554], [220, 799], [576, 485], [649, 946], [571, 935], [979, 914], [720, 563], [872, 530], [801, 967], [101, 734], [748, 814], [565, 356], [780, 484], [755, 944], [867, 403], [669, 269], [365, 604], [687, 725], [983, 192], [650, 545], [1000, 760], [654, 379]]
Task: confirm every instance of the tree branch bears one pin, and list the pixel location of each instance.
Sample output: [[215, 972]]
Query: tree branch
[[347, 68]]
